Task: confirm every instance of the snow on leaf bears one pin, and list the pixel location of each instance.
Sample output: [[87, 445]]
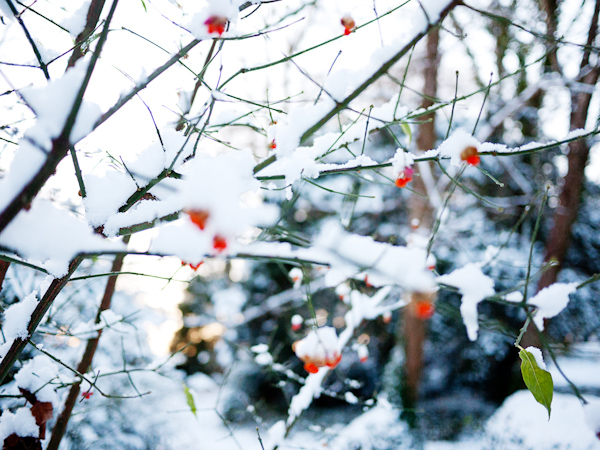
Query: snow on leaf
[[22, 423], [474, 286], [537, 380]]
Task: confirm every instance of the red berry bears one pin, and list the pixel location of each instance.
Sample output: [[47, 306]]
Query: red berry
[[424, 310], [296, 326], [470, 155], [349, 25], [311, 368], [272, 145], [219, 243], [473, 160], [404, 177], [364, 359], [87, 394], [367, 281], [216, 24], [199, 217]]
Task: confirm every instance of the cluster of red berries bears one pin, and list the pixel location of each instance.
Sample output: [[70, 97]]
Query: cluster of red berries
[[216, 24], [199, 218]]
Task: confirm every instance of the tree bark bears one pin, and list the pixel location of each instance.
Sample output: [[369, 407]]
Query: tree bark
[[565, 214], [88, 355], [415, 328]]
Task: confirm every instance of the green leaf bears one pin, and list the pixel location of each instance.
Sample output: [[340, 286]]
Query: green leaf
[[144, 5], [537, 380], [189, 398], [406, 130]]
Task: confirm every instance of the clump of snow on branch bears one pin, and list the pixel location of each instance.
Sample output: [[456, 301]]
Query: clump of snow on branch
[[35, 377], [52, 237], [318, 349], [294, 162], [385, 263], [550, 301], [17, 316], [455, 145], [225, 190], [108, 192], [474, 286]]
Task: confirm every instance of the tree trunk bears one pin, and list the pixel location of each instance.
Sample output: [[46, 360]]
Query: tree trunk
[[415, 328]]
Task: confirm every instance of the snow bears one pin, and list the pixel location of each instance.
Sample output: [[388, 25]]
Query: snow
[[592, 415], [521, 423], [350, 398], [35, 376], [22, 423], [17, 316], [53, 103], [537, 354], [52, 237], [320, 346], [474, 286], [276, 435], [401, 160], [76, 22], [456, 143], [550, 301]]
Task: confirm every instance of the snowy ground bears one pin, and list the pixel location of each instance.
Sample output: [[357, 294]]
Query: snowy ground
[[519, 424]]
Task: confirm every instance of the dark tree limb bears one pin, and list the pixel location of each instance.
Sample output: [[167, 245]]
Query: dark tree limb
[[45, 302], [93, 16], [3, 269], [88, 355], [43, 65], [570, 196]]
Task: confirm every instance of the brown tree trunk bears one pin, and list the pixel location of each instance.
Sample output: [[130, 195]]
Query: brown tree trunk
[[570, 196], [415, 328], [88, 355]]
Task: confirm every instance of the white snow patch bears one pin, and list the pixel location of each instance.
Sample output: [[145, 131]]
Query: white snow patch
[[474, 286], [17, 316], [551, 301]]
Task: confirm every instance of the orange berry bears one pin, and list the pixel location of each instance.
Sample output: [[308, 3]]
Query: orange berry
[[404, 177], [216, 24], [367, 281], [471, 156], [311, 368], [387, 317], [219, 243], [349, 24], [473, 160], [199, 217], [424, 310]]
